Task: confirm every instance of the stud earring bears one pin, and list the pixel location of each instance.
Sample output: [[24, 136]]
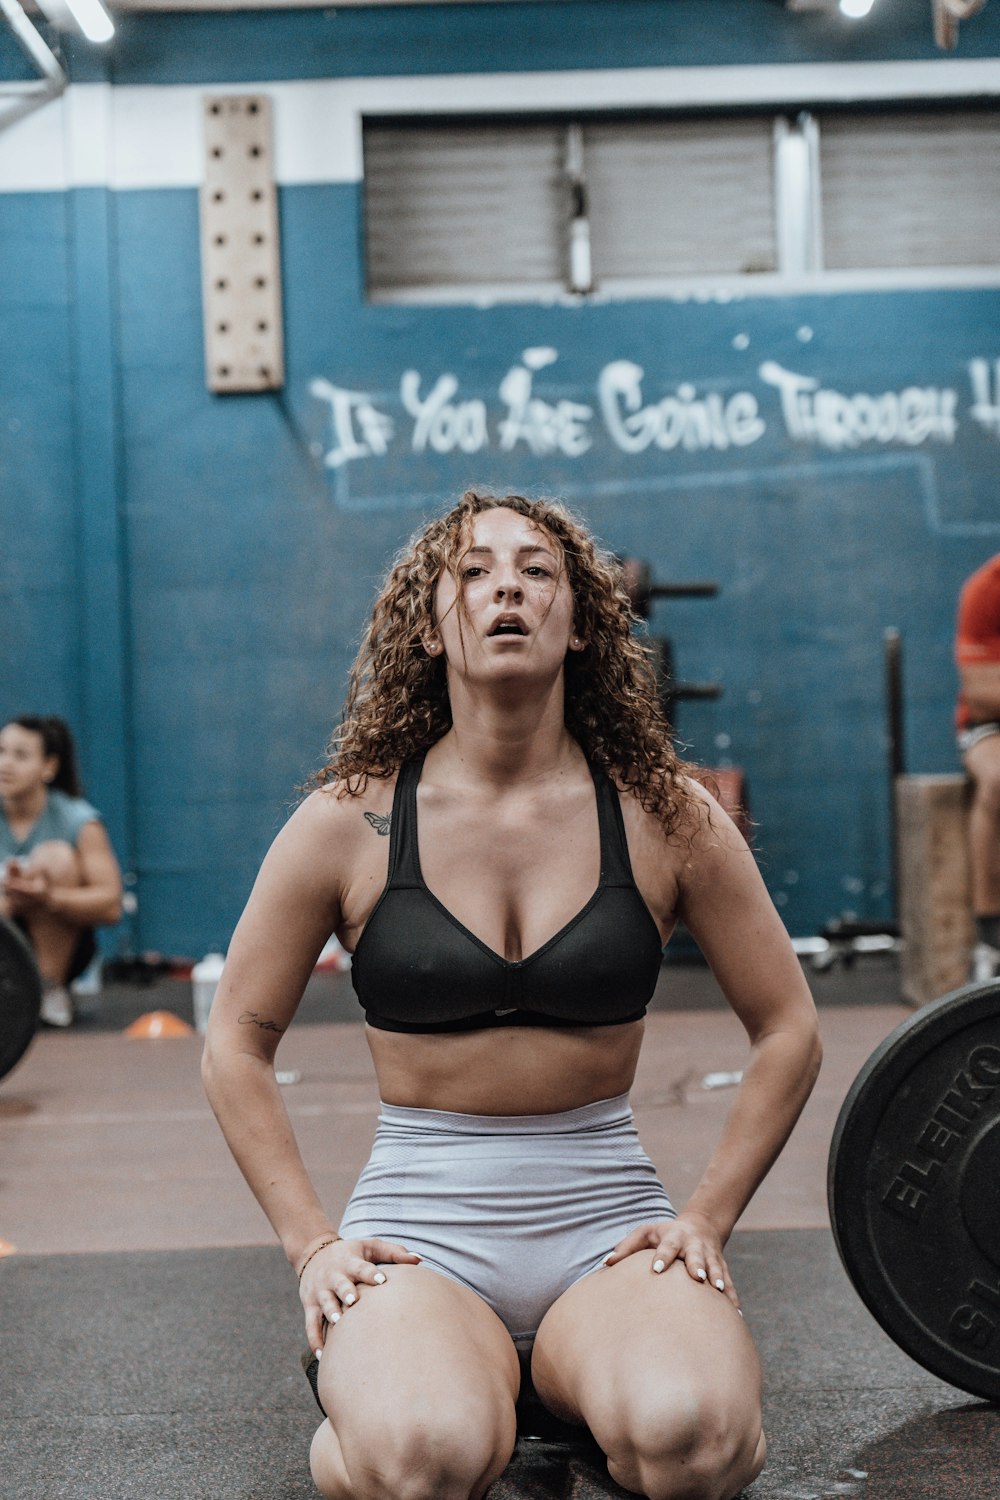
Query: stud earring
[[575, 643], [432, 647]]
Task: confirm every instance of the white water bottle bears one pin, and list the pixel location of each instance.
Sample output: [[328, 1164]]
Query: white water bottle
[[205, 978]]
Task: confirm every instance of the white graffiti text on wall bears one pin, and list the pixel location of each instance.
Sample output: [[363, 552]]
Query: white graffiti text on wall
[[443, 420], [916, 415], [986, 391], [682, 420], [359, 430]]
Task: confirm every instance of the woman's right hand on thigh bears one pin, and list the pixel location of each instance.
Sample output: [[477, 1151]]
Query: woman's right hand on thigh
[[332, 1278]]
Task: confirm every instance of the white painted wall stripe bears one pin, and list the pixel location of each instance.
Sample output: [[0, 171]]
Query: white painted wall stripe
[[150, 137], [88, 130], [32, 157]]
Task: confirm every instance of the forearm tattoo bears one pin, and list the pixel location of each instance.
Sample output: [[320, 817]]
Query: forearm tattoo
[[381, 822], [254, 1018]]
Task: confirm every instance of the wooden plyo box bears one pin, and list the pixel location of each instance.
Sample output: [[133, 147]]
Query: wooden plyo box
[[935, 912]]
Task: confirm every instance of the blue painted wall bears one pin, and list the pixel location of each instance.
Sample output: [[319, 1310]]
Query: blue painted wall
[[245, 558], [403, 40], [37, 439]]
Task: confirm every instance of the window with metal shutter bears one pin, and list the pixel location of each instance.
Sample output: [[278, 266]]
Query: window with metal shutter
[[464, 205], [909, 189], [455, 208], [681, 197]]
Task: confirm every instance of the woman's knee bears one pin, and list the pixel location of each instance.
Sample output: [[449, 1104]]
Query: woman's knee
[[986, 794], [446, 1452], [59, 860], [983, 765], [327, 1464], [686, 1447]]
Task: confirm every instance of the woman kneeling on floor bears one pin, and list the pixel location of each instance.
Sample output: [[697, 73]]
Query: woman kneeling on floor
[[59, 878], [505, 839]]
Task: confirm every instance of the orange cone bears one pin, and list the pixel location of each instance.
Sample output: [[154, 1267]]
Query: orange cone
[[158, 1023]]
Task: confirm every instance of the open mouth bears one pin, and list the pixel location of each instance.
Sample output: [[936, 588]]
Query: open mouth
[[508, 625]]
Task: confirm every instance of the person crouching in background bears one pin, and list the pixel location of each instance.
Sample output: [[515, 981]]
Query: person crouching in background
[[59, 878]]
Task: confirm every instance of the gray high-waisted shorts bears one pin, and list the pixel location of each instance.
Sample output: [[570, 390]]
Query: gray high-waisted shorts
[[976, 732], [515, 1207]]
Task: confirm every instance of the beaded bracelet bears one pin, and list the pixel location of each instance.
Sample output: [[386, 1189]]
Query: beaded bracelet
[[333, 1240]]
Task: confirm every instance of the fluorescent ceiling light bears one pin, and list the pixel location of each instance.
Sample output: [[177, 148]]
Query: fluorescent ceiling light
[[856, 8], [92, 19]]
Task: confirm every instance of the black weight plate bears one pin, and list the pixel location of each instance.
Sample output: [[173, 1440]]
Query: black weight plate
[[914, 1187], [20, 995]]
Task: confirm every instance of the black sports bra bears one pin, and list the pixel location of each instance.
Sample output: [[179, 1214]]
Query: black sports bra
[[416, 968]]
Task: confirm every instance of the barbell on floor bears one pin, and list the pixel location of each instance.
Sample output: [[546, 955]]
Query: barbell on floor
[[20, 995], [914, 1187]]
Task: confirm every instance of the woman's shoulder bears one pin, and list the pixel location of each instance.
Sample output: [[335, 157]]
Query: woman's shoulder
[[347, 808], [695, 811], [71, 813]]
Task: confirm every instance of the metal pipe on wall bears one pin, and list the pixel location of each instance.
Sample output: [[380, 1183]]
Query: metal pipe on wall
[[24, 100]]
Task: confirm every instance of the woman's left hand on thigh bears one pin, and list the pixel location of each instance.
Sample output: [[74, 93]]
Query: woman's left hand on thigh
[[692, 1238]]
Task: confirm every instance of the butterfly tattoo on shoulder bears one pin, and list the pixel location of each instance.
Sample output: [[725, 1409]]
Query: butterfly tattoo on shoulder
[[381, 822]]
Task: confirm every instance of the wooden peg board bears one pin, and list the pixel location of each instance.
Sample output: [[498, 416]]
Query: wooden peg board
[[240, 259]]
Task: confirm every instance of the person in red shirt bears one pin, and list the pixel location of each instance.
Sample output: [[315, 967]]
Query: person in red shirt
[[977, 718]]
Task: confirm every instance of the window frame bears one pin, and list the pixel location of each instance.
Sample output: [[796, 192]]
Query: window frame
[[792, 95]]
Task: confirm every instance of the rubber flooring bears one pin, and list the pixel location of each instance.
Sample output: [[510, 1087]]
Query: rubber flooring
[[150, 1332], [166, 1376]]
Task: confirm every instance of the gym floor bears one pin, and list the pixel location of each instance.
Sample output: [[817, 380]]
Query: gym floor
[[150, 1328]]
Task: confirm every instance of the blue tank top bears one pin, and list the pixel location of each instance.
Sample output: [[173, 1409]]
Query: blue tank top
[[63, 818], [417, 968]]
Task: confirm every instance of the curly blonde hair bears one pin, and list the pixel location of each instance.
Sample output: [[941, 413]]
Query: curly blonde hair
[[397, 699]]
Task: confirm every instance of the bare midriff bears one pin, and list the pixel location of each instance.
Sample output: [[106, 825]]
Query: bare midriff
[[509, 1070]]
